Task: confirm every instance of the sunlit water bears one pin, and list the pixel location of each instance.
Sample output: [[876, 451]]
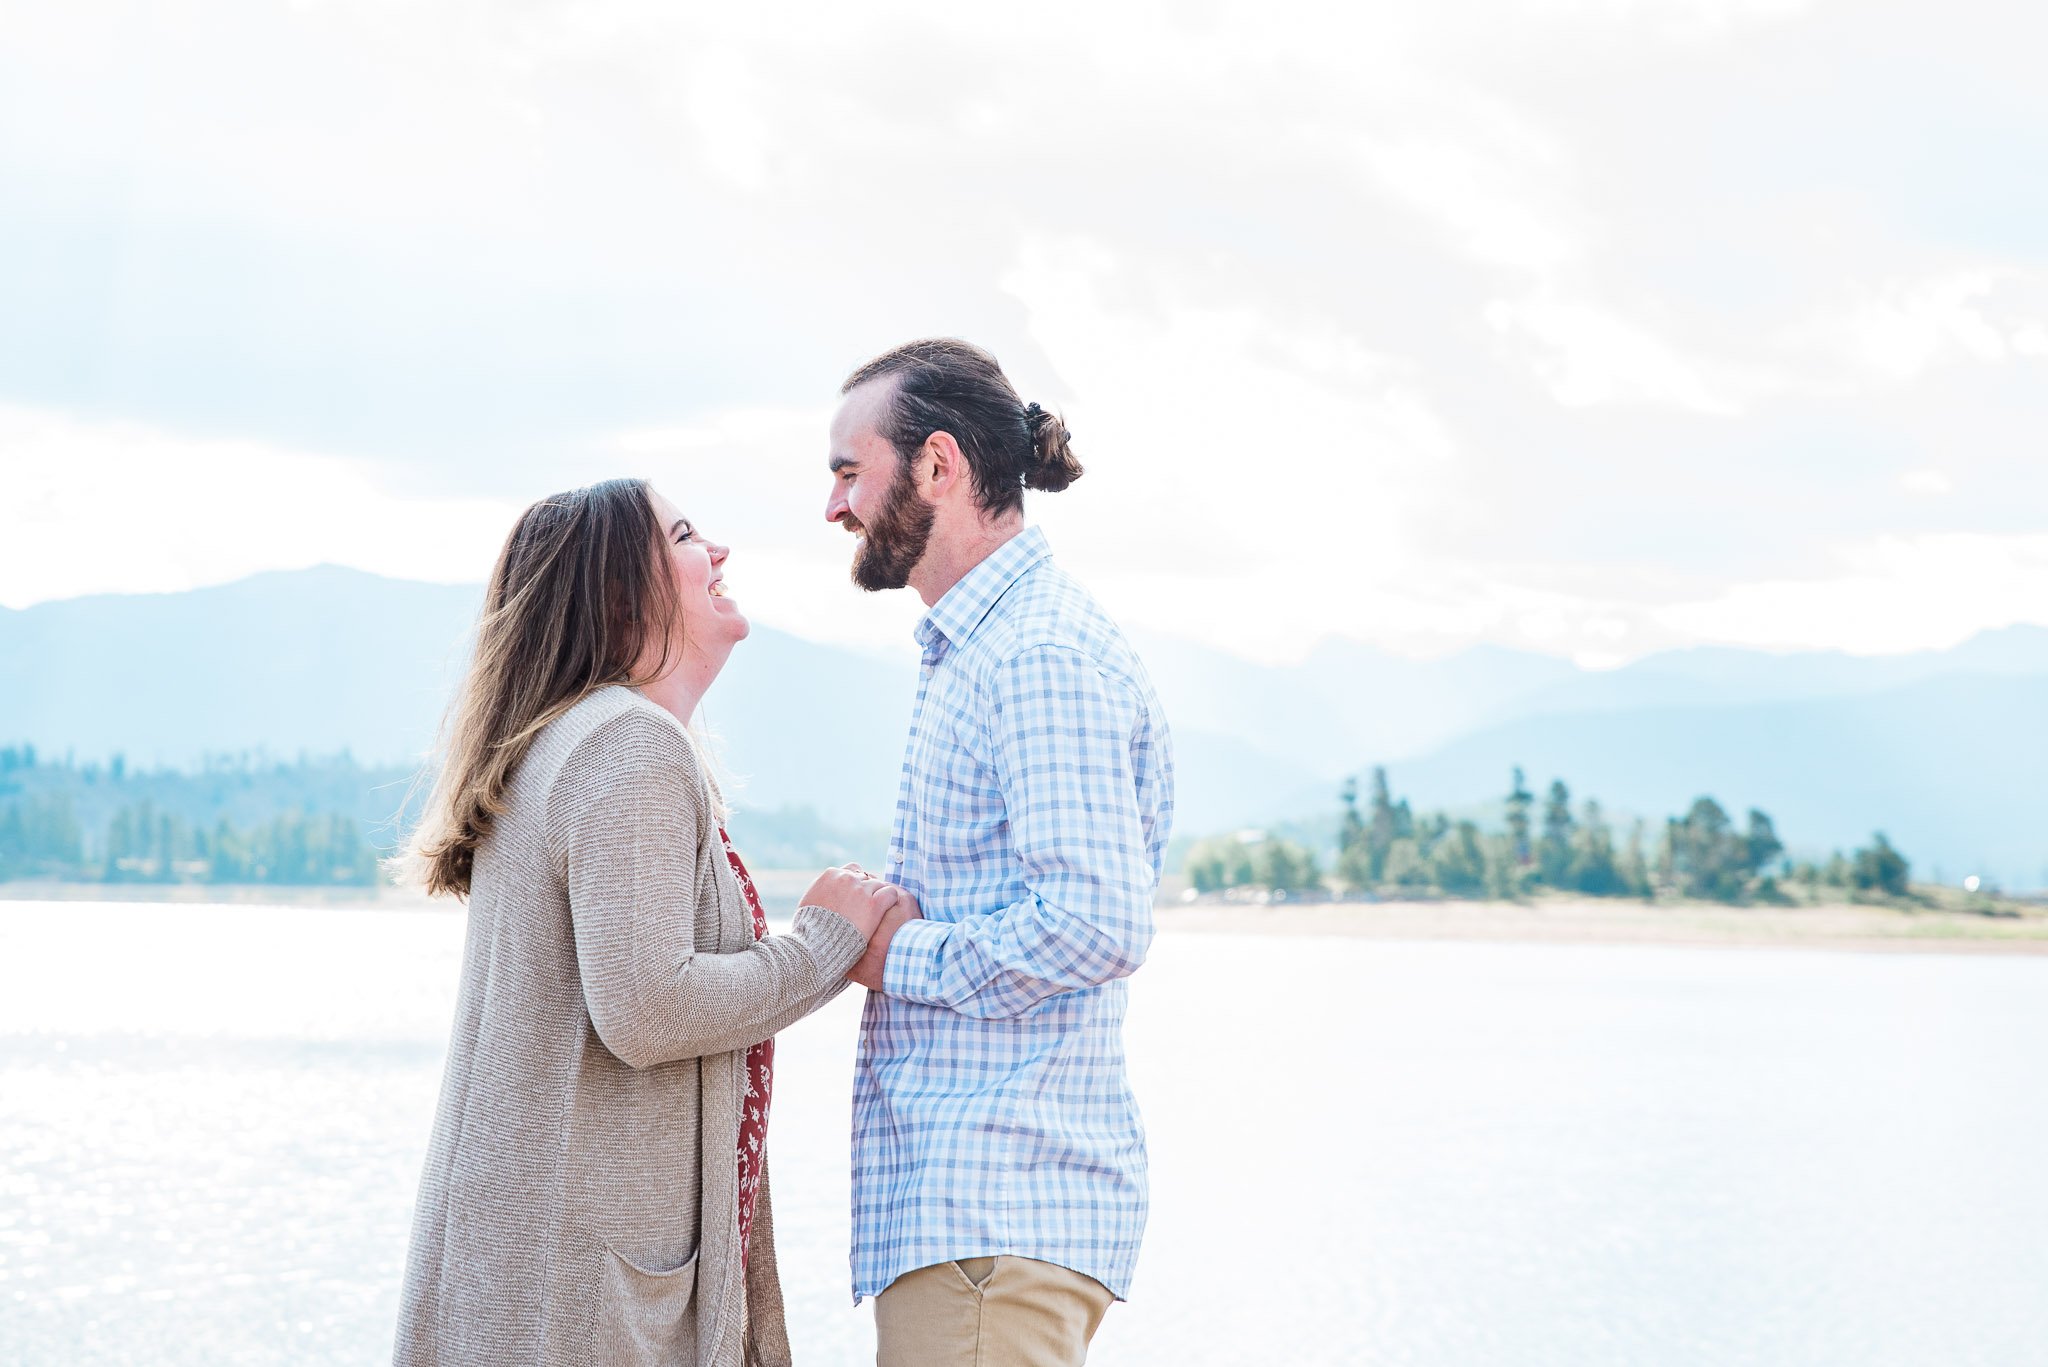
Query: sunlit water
[[212, 1121]]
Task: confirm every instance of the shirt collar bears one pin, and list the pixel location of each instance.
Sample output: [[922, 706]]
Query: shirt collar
[[960, 612]]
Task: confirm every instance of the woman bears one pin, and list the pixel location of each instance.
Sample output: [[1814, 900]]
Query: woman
[[593, 1191]]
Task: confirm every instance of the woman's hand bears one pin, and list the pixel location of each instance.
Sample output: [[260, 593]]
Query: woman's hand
[[850, 893], [868, 972]]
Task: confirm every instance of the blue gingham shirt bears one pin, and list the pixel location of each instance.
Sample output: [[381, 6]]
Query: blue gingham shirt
[[990, 1110]]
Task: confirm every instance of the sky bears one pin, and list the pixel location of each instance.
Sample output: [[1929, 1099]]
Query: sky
[[1592, 327]]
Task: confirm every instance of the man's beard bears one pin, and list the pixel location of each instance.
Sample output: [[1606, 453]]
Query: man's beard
[[895, 539]]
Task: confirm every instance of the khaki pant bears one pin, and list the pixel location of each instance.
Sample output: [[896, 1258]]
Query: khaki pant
[[988, 1312]]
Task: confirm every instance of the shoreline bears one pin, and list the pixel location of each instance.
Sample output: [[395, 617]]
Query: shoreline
[[223, 895], [1562, 920], [1550, 920]]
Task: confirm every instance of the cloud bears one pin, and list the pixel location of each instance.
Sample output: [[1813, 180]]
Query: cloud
[[1277, 469], [1683, 20], [94, 507], [1423, 324], [1587, 355], [1886, 594], [1492, 183], [1898, 330]]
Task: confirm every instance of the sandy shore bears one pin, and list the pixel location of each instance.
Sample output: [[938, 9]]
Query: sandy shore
[[1547, 920], [1594, 921]]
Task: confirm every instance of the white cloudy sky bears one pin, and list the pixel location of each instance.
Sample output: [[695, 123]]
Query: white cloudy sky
[[1592, 326]]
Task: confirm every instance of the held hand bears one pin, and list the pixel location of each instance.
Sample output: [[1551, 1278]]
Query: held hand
[[868, 972], [860, 900]]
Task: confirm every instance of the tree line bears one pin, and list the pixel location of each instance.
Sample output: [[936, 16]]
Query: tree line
[[254, 818], [1384, 849], [235, 819], [41, 837]]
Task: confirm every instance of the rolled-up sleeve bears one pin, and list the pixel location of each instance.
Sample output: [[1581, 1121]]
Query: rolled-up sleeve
[[1060, 733]]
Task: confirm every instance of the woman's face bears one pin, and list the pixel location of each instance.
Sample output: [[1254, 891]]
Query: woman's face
[[707, 620]]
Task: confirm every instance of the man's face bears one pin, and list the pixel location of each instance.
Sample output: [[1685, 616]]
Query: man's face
[[875, 494]]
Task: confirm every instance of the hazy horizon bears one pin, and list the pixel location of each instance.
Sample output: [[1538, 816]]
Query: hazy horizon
[[1943, 750], [905, 648]]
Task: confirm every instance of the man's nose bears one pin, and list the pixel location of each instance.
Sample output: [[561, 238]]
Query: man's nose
[[835, 505]]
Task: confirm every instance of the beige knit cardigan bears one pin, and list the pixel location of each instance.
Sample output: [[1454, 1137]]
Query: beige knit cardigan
[[580, 1201]]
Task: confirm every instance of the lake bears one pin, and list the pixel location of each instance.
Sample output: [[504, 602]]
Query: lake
[[212, 1121]]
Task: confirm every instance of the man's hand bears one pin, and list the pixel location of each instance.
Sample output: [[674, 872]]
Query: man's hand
[[859, 898], [868, 972]]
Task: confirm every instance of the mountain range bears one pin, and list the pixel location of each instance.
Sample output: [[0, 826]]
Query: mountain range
[[1946, 751]]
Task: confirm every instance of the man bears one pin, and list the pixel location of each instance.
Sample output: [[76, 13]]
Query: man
[[999, 1161]]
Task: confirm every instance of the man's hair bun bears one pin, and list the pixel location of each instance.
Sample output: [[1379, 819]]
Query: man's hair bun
[[1052, 466]]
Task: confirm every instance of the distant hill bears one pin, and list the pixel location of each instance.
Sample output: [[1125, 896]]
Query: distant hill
[[329, 659], [1345, 699], [1945, 750], [1348, 700], [1716, 676], [318, 660], [1954, 769]]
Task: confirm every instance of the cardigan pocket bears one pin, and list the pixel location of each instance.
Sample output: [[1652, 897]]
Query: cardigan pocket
[[645, 1315]]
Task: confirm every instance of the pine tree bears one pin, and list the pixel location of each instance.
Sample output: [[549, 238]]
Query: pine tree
[[1382, 825], [1283, 865], [1880, 868], [1354, 859], [1406, 867], [1519, 801], [1762, 841], [1458, 863], [1242, 871], [1554, 850], [1635, 866], [1593, 868], [1665, 871], [1712, 861], [1836, 875]]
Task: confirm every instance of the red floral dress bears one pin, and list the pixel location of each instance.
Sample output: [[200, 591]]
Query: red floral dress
[[760, 1075]]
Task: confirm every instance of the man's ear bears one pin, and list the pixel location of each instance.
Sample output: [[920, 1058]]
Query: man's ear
[[942, 457]]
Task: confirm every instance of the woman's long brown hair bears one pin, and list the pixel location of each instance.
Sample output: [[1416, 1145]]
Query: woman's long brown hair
[[582, 585]]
